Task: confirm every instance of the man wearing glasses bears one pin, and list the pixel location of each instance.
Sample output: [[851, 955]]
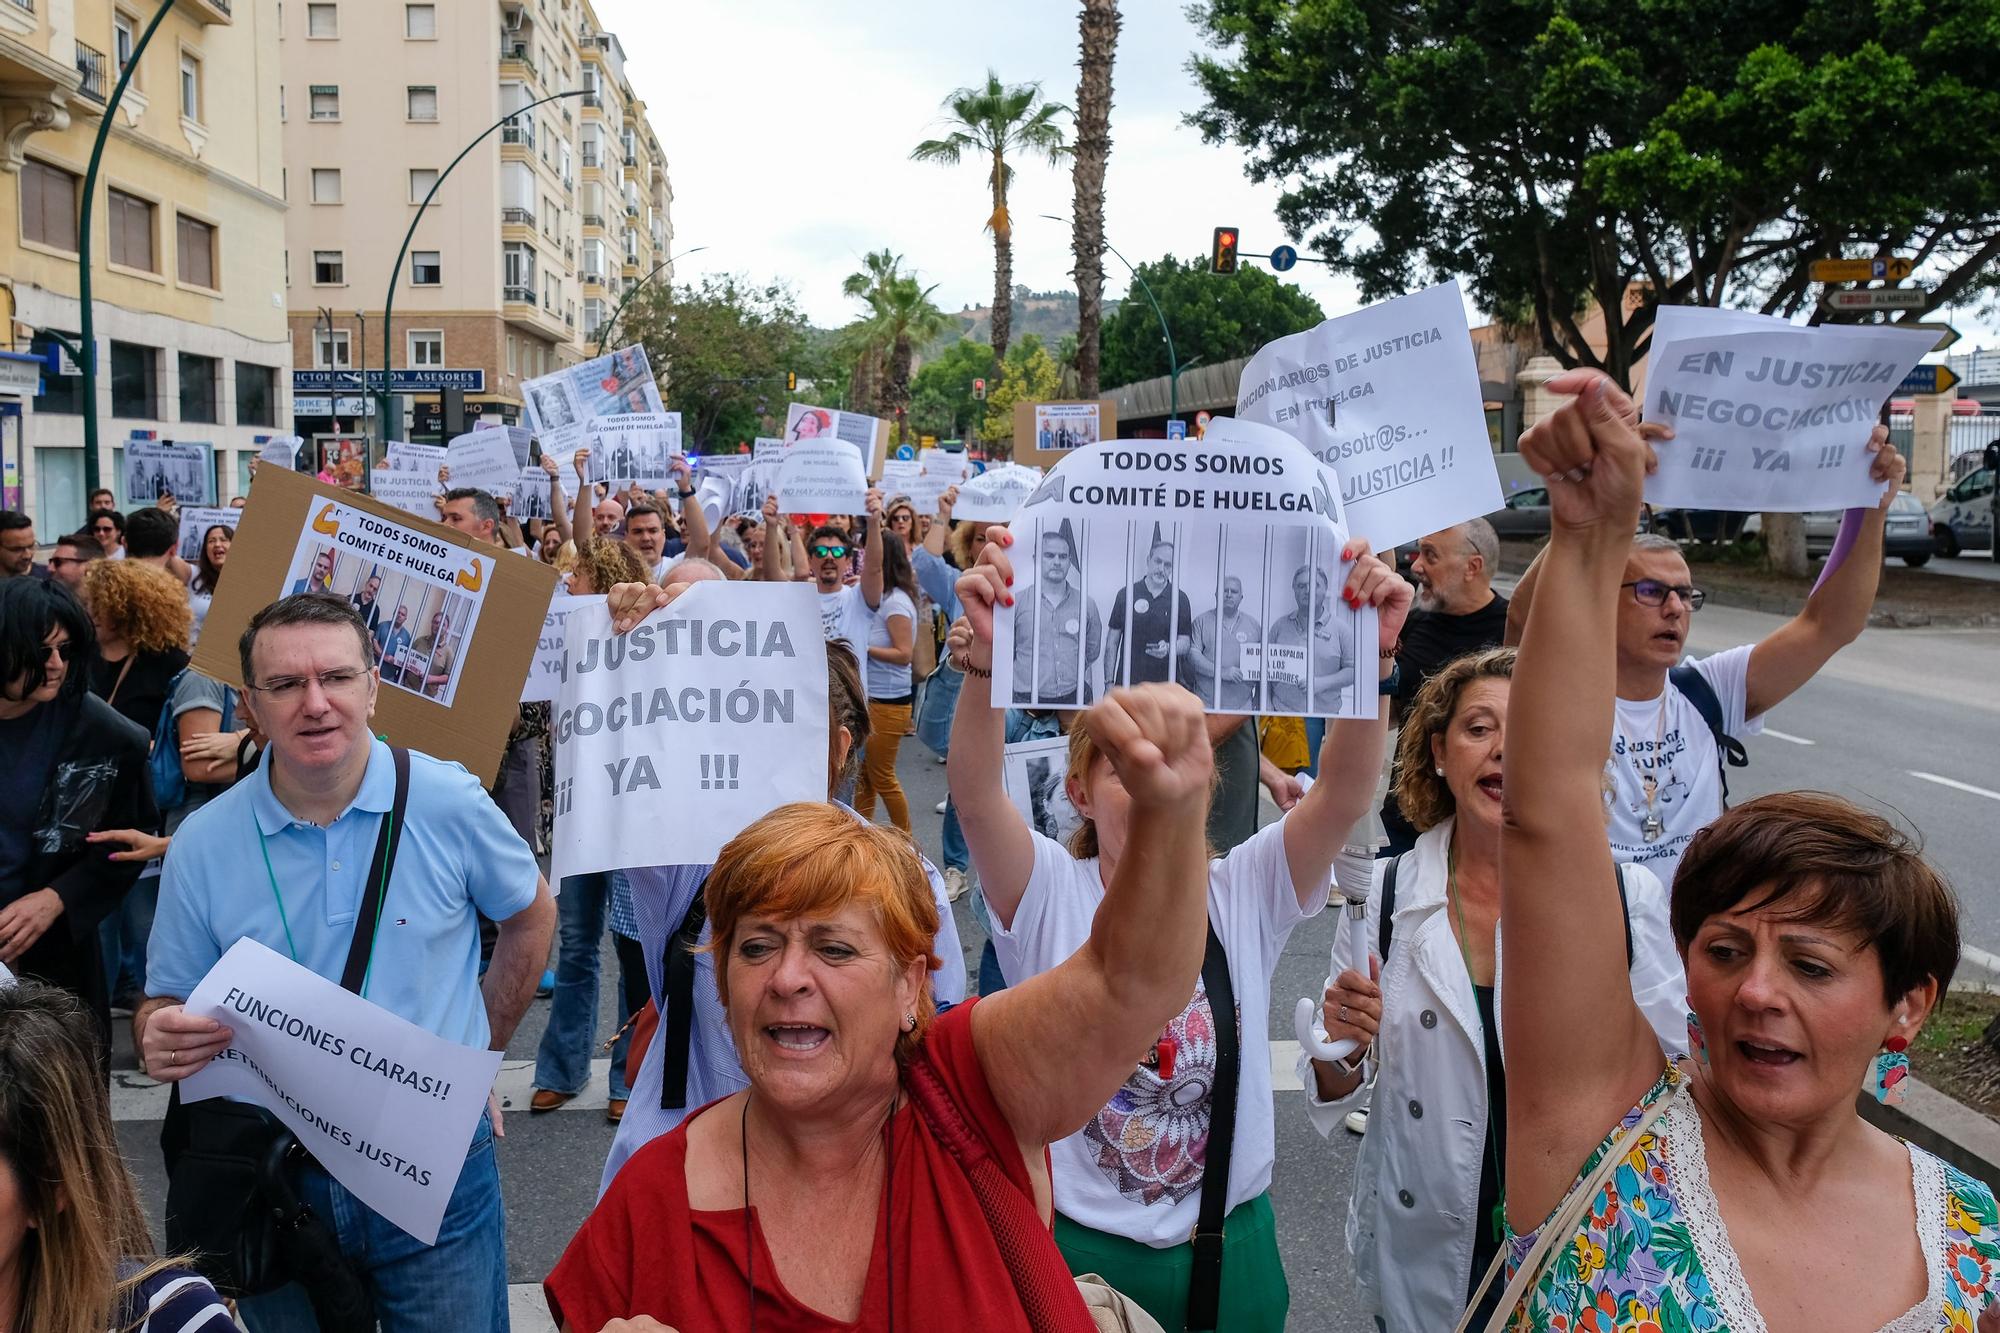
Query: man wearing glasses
[[845, 612], [108, 526], [72, 556], [309, 816], [1666, 753]]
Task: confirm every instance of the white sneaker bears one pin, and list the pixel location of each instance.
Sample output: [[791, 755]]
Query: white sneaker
[[1357, 1121], [954, 883], [942, 804], [941, 759]]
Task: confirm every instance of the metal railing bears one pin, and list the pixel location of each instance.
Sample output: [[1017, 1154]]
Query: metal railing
[[523, 216], [90, 63], [523, 133], [592, 100], [590, 156], [525, 295], [28, 5], [593, 219], [518, 53]]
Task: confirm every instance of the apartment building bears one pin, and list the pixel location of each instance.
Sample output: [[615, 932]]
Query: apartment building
[[529, 240], [187, 236]]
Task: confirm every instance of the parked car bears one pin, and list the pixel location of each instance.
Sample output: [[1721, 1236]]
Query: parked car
[[1906, 534], [1963, 518], [1525, 513]]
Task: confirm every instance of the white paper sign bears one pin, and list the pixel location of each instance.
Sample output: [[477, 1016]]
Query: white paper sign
[[386, 1107], [195, 523], [633, 447], [692, 722], [939, 471], [1214, 564], [995, 494], [1769, 415], [545, 669], [899, 475], [561, 405], [279, 450], [531, 494], [767, 450], [483, 458], [412, 492], [820, 423], [822, 477], [1389, 398], [6, 977], [1033, 772], [153, 469], [402, 456]]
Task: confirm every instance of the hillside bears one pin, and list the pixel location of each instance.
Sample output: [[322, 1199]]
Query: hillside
[[1050, 314]]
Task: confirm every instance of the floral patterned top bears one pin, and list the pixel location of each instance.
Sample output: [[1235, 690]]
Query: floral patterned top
[[1653, 1255]]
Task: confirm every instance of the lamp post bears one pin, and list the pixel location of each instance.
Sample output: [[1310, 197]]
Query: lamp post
[[389, 299], [87, 326], [604, 330], [1173, 363]]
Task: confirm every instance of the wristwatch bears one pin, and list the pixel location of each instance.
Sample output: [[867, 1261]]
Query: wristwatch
[[685, 495]]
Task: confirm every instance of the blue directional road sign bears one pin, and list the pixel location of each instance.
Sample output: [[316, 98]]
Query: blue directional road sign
[[1283, 257], [904, 453], [1176, 429]]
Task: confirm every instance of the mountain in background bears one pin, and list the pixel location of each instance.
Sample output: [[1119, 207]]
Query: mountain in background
[[1050, 314]]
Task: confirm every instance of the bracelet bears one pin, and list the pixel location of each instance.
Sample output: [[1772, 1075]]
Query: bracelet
[[963, 662], [1390, 651], [685, 495]]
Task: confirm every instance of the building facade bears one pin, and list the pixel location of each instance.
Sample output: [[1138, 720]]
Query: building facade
[[527, 243], [187, 237]]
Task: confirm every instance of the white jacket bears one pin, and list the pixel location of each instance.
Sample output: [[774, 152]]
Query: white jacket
[[1416, 1184]]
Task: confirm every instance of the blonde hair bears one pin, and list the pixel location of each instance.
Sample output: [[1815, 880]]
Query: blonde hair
[[1083, 752], [606, 562], [1421, 793], [147, 606]]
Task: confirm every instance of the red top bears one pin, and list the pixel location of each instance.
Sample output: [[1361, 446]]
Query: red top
[[644, 1251]]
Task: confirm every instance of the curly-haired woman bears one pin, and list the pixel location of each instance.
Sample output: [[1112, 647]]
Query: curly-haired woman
[[143, 625]]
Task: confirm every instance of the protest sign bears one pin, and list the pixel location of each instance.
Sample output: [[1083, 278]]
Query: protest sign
[[1768, 415], [545, 670], [691, 722], [1389, 398], [154, 469], [196, 520], [633, 448], [757, 482], [899, 475], [561, 405], [485, 459], [995, 494], [444, 611], [410, 491], [402, 456], [938, 471], [868, 435], [279, 450], [530, 498], [821, 477], [385, 1106], [1215, 565], [1033, 772], [1046, 433], [6, 977], [767, 450], [716, 494]]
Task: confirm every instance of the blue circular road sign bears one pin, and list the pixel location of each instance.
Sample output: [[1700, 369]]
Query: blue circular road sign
[[1283, 257], [905, 453]]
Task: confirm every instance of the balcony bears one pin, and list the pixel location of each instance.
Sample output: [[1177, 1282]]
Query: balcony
[[631, 210], [522, 133], [594, 220], [592, 102], [591, 278], [517, 53], [91, 64], [207, 11], [519, 217], [590, 156], [524, 295]]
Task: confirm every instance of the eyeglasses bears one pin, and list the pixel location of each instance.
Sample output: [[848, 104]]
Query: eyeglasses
[[289, 689], [65, 650], [1652, 592], [56, 560], [828, 552], [103, 529]]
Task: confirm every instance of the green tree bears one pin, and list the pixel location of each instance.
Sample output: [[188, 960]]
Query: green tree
[[1030, 375], [941, 401], [900, 318], [990, 123], [1214, 318], [721, 350], [1562, 153]]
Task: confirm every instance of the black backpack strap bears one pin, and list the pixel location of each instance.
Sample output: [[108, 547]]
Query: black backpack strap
[[1204, 1298], [1385, 921], [1729, 752], [677, 999], [1624, 912], [387, 840]]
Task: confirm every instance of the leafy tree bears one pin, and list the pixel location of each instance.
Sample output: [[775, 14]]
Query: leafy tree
[[992, 122], [721, 350], [1214, 317], [1029, 374], [1097, 29], [900, 318], [1560, 153], [941, 401]]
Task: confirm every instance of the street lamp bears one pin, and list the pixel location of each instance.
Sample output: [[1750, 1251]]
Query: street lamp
[[604, 330], [389, 300], [1173, 363]]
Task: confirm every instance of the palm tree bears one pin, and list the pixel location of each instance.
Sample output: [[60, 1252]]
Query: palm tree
[[1099, 32], [992, 122], [863, 339], [900, 319]]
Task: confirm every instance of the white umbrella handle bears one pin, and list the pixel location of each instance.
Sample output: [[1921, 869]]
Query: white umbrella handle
[[1350, 951]]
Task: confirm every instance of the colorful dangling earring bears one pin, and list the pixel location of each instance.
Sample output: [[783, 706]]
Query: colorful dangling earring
[[1888, 1071], [1697, 1040]]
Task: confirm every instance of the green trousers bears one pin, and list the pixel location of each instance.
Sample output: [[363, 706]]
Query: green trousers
[[1255, 1297]]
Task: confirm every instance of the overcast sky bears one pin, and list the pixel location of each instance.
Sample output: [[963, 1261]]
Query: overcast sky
[[788, 126]]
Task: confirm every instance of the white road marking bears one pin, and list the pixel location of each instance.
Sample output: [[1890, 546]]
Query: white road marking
[[1956, 785], [1777, 735], [528, 1309]]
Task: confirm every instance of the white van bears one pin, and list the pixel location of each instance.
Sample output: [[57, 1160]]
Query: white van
[[1963, 518]]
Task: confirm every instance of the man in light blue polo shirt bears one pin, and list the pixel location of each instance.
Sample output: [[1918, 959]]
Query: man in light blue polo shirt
[[280, 858]]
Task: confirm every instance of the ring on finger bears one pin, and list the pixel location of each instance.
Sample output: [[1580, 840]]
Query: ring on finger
[[177, 1056], [1343, 1013], [1576, 473]]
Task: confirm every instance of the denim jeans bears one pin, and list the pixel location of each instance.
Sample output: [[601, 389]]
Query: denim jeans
[[122, 937], [562, 1062], [460, 1283], [957, 856], [1315, 735]]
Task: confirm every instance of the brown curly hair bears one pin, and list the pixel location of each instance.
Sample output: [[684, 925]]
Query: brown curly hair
[[605, 562], [1420, 792], [141, 602]]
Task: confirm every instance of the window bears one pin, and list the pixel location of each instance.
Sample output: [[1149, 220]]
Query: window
[[326, 185], [190, 86], [48, 205], [325, 101], [423, 102], [322, 21], [426, 268], [256, 395], [132, 381], [420, 22], [124, 36], [197, 387], [60, 393], [329, 268], [422, 179], [520, 271], [513, 362], [330, 349], [426, 347], [131, 226], [194, 252]]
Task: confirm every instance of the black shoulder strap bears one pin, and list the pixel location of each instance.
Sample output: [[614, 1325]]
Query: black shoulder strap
[[1205, 1281], [1385, 920], [677, 998], [1624, 912], [1695, 688], [387, 840]]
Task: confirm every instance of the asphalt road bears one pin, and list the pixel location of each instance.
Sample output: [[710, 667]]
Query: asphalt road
[[1905, 720]]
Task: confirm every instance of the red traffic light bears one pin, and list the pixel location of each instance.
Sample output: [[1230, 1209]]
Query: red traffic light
[[979, 388], [1222, 254]]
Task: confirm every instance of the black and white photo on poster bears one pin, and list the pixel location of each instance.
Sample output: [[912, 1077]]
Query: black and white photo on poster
[[531, 495], [154, 469], [633, 448], [1034, 774], [561, 404], [197, 521], [402, 456]]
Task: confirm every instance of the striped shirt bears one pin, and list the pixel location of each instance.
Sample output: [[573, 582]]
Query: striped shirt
[[173, 1300]]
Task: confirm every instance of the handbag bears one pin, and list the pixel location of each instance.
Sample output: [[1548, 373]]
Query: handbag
[[232, 1167]]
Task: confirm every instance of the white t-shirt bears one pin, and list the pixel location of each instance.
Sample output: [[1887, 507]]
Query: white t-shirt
[[198, 602], [885, 681], [1665, 738], [1136, 1169], [846, 617], [666, 565]]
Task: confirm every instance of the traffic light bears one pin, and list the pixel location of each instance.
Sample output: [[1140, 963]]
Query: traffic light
[[1222, 256], [791, 380], [979, 390]]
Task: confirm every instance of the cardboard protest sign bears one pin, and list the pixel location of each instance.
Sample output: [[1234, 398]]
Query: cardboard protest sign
[[868, 435], [1389, 398], [545, 670], [822, 477], [691, 722], [559, 406], [1215, 565], [385, 1106], [410, 491], [633, 447], [1769, 415], [485, 459], [1033, 773], [196, 520], [445, 612], [1046, 433], [154, 469], [995, 494]]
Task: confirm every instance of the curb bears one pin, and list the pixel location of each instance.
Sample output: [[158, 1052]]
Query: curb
[[1942, 1127]]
